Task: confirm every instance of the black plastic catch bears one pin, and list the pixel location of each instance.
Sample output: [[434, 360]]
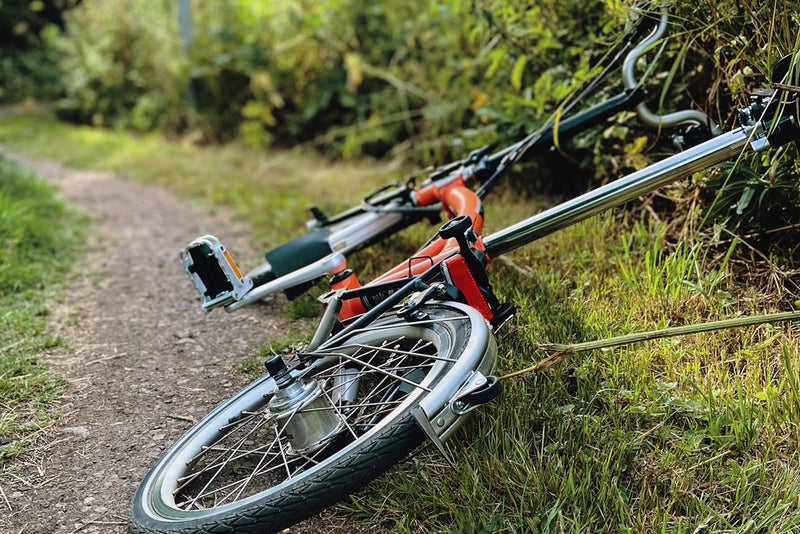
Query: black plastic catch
[[489, 391], [318, 214], [205, 265]]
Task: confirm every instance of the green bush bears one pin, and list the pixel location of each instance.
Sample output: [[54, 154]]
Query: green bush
[[423, 80], [351, 76], [121, 65], [28, 69], [437, 78], [28, 73]]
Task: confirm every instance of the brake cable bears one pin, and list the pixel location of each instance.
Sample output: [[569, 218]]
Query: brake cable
[[516, 152]]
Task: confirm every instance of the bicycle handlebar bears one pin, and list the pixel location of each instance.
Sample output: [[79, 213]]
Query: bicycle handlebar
[[488, 168], [630, 82]]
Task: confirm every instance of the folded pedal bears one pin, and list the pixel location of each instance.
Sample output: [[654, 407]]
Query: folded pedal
[[213, 272]]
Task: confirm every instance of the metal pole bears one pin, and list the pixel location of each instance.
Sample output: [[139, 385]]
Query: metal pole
[[185, 24], [618, 192]]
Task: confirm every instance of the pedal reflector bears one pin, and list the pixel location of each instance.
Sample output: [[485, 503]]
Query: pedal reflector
[[213, 272]]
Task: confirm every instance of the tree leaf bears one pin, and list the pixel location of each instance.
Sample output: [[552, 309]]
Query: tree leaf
[[517, 71]]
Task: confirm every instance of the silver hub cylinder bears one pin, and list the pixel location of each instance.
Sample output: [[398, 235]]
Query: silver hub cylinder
[[303, 413]]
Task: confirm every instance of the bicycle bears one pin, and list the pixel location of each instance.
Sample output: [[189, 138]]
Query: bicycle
[[393, 363], [295, 265]]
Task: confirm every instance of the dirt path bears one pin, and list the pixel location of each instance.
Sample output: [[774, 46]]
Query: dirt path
[[142, 359]]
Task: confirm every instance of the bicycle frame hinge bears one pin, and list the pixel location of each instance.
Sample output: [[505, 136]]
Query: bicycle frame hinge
[[478, 295]]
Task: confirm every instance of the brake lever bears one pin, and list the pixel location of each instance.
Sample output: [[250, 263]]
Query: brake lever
[[473, 157], [401, 190]]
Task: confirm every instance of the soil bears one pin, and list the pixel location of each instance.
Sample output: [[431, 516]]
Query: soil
[[141, 358]]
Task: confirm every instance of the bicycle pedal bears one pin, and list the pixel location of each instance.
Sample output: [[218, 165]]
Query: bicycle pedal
[[213, 272]]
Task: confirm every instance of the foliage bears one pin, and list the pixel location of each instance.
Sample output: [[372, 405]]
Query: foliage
[[22, 19], [426, 81], [351, 75], [121, 66], [733, 47], [436, 78], [27, 69], [358, 77], [759, 199], [28, 73]]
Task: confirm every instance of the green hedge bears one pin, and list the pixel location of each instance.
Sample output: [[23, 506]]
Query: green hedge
[[356, 76], [423, 80], [353, 76]]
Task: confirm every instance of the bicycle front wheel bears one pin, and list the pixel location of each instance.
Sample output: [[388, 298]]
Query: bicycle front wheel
[[246, 468]]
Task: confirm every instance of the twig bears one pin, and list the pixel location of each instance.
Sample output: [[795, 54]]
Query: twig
[[3, 494], [106, 358], [364, 125], [12, 345], [25, 482], [562, 351], [97, 523], [786, 87], [523, 270], [400, 85], [541, 365], [182, 417]]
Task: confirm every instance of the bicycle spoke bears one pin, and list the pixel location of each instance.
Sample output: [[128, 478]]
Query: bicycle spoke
[[379, 370], [360, 383], [405, 353]]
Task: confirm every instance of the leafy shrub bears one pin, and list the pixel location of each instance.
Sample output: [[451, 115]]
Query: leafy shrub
[[27, 69], [757, 198], [351, 76], [418, 79], [438, 78], [25, 73], [121, 65]]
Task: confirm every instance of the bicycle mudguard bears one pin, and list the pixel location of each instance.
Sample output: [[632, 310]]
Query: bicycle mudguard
[[297, 254]]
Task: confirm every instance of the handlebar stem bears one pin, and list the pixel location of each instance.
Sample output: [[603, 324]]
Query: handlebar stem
[[685, 163]]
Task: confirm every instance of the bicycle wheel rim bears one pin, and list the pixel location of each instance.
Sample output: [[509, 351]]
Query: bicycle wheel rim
[[460, 341]]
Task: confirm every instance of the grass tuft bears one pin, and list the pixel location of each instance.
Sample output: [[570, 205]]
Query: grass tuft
[[38, 243]]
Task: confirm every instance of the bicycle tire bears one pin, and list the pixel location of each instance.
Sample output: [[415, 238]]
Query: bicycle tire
[[447, 345]]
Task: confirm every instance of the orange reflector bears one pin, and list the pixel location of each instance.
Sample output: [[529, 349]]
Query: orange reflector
[[232, 264]]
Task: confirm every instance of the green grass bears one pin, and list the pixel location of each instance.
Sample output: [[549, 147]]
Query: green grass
[[664, 436], [679, 435], [258, 187], [38, 242]]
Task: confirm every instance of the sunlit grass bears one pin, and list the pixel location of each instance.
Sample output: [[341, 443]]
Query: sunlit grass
[[679, 435], [38, 242], [269, 190]]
